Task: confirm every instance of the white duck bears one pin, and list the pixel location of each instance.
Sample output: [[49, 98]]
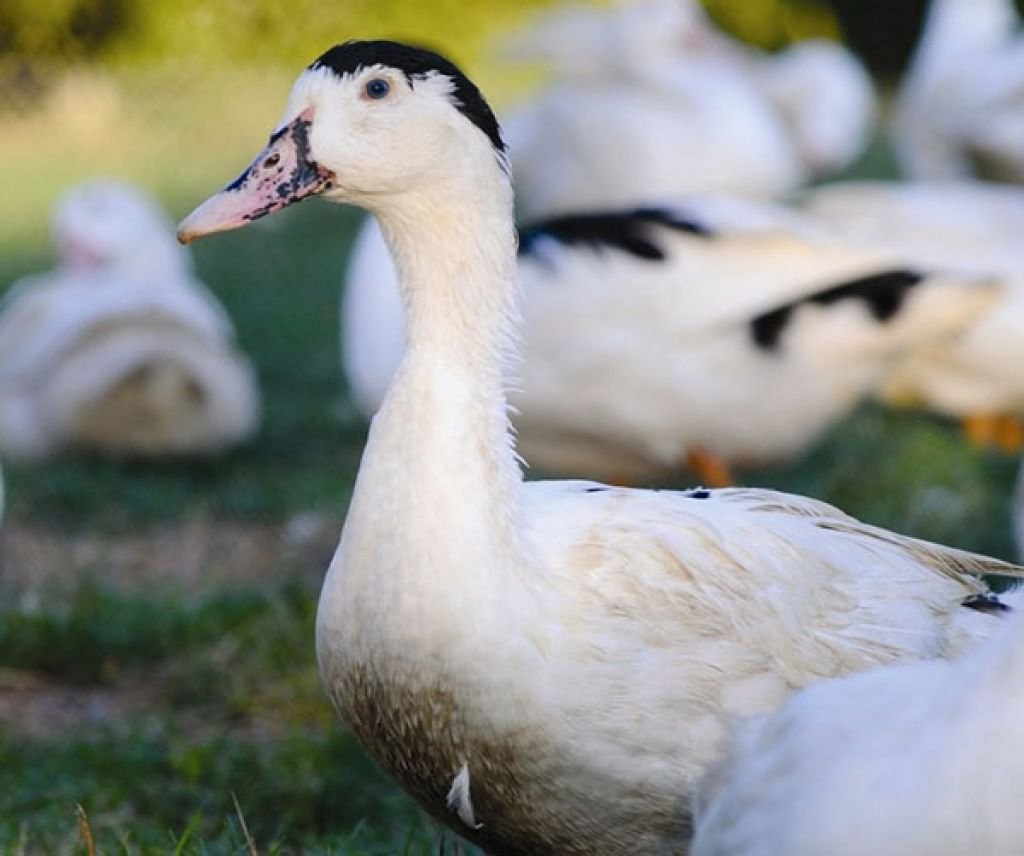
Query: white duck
[[824, 96], [548, 667], [120, 349], [690, 123], [960, 109], [915, 759], [966, 226], [652, 85], [710, 332]]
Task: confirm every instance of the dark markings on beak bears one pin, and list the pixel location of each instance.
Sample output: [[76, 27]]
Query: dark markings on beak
[[306, 178]]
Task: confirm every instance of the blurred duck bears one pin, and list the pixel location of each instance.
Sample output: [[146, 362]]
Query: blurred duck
[[960, 110], [966, 226], [824, 96], [119, 349], [652, 84], [707, 333], [913, 759], [548, 667]]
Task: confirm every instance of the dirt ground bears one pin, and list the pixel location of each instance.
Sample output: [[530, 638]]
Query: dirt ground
[[37, 563], [190, 554]]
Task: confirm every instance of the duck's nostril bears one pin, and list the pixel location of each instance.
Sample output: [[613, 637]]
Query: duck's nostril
[[272, 161]]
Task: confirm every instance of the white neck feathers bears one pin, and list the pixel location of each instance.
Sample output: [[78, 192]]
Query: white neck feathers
[[439, 481]]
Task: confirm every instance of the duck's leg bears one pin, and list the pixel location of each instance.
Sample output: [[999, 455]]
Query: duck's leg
[[1010, 438], [710, 469], [981, 429], [1002, 431]]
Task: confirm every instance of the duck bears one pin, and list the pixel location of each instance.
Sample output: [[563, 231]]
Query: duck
[[654, 83], [119, 350], [826, 99], [625, 92], [549, 666], [965, 226], [959, 112], [913, 759], [667, 336]]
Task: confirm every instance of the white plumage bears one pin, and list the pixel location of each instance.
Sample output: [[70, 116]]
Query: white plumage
[[914, 759], [966, 226], [548, 667], [632, 365], [825, 97], [960, 109], [649, 100], [119, 349]]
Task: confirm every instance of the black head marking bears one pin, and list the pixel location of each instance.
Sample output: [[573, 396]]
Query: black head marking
[[986, 603], [629, 231], [414, 62], [883, 293], [698, 493]]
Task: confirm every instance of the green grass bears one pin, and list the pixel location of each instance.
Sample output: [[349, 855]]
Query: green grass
[[150, 792], [226, 702]]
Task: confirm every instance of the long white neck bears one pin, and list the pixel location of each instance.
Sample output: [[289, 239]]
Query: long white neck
[[434, 517], [456, 260], [955, 28]]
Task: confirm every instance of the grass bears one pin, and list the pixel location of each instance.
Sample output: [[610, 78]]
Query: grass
[[152, 706], [219, 700], [149, 792]]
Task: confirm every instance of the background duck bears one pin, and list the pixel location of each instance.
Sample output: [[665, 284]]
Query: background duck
[[959, 111], [547, 667], [966, 226], [655, 84], [826, 99], [707, 332], [119, 349], [915, 759]]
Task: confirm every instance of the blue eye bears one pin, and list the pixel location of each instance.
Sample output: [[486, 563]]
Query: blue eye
[[378, 88]]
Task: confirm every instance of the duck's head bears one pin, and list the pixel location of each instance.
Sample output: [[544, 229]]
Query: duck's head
[[826, 99], [366, 122], [110, 227], [630, 39]]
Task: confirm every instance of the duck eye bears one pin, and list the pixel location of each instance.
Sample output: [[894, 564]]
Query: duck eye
[[377, 88]]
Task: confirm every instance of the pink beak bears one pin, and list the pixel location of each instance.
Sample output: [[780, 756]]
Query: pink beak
[[281, 174]]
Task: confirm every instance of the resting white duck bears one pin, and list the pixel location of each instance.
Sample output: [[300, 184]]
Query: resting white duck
[[548, 667], [960, 110], [967, 226], [119, 350], [709, 332], [915, 759], [654, 84]]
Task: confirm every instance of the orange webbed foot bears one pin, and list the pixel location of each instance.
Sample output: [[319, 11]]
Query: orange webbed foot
[[710, 469]]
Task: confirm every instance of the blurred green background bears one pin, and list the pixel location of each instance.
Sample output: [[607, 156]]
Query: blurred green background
[[141, 88], [156, 654]]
